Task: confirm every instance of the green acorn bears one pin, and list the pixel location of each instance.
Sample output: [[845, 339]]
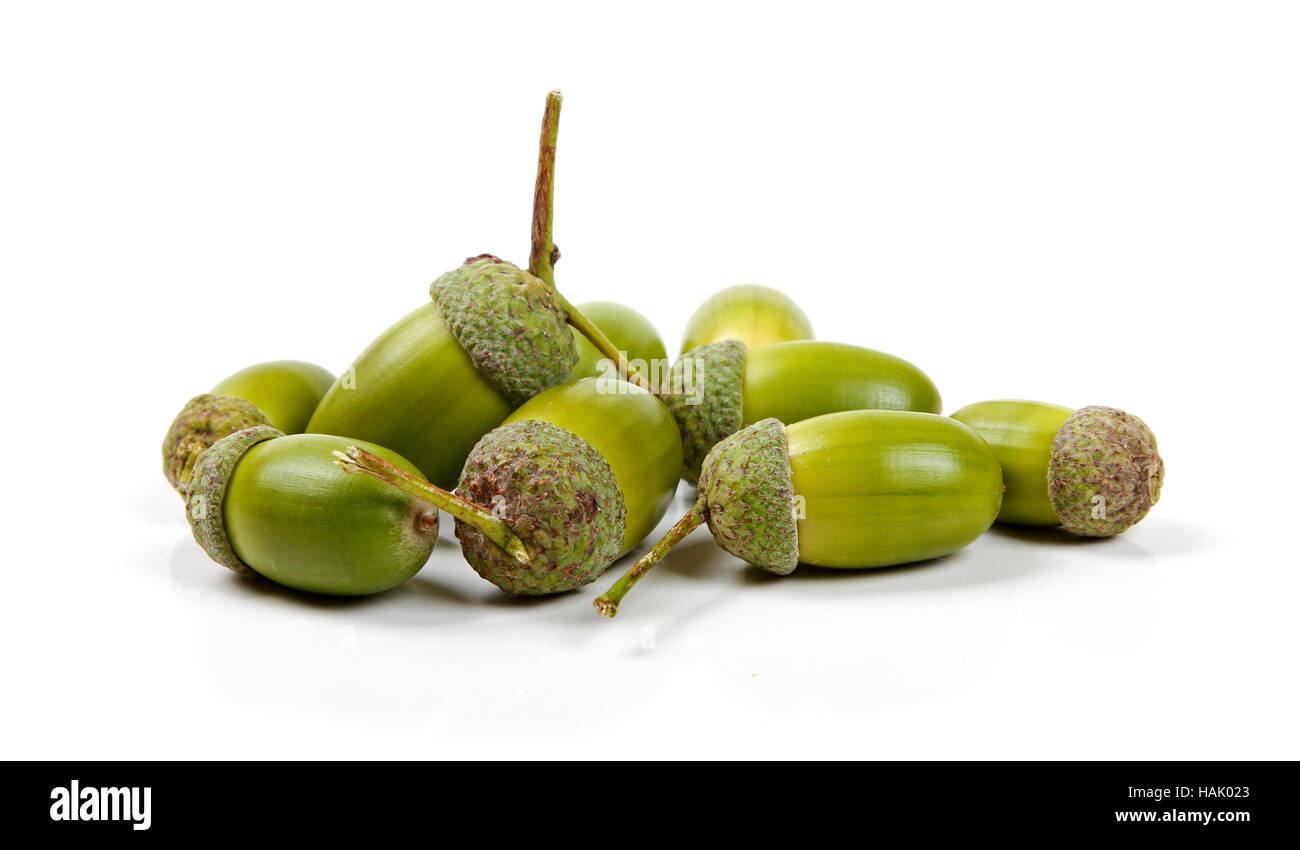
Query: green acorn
[[848, 490], [717, 389], [755, 315], [493, 336], [1096, 471], [286, 391], [282, 394], [581, 473], [286, 508]]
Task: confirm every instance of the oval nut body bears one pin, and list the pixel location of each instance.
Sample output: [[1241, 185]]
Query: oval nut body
[[296, 518], [879, 488], [755, 315], [630, 332], [793, 381], [416, 391], [635, 433], [286, 391], [1020, 433]]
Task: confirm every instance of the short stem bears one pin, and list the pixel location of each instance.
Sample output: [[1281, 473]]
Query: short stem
[[607, 604], [542, 260], [357, 461]]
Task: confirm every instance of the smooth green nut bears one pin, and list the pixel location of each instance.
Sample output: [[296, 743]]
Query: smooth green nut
[[1096, 471], [876, 488], [279, 506], [631, 333], [721, 387], [631, 430], [286, 391], [867, 488], [558, 495], [755, 315], [203, 421]]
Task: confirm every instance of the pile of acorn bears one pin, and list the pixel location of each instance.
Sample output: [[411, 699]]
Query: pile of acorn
[[555, 440]]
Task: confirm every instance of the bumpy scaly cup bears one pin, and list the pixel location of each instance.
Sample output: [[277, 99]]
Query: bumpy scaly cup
[[207, 493], [705, 393], [1104, 473], [509, 322], [559, 496], [749, 497], [201, 423]]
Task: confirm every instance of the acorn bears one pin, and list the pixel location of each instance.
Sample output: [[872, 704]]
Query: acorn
[[581, 473], [716, 389], [263, 503], [755, 315], [286, 391], [630, 332], [848, 490], [494, 336], [631, 430], [281, 393], [1096, 471]]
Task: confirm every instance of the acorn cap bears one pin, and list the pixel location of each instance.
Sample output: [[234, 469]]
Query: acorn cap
[[511, 324], [749, 497], [203, 421], [1104, 472], [207, 493], [705, 393], [560, 497]]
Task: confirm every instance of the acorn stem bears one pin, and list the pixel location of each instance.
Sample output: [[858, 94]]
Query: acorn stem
[[357, 461], [607, 604], [544, 254], [603, 344]]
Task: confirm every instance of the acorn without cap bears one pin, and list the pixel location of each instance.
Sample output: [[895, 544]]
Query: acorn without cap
[[717, 389], [494, 335], [1096, 471], [855, 489], [755, 315]]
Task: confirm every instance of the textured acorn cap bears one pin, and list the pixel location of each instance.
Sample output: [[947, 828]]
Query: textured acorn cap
[[509, 322], [705, 392], [560, 497], [1104, 472], [207, 493], [203, 421], [749, 497]]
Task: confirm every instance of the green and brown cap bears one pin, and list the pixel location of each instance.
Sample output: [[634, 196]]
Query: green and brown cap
[[559, 496], [1104, 473], [201, 423], [510, 322], [207, 493], [705, 393], [749, 497]]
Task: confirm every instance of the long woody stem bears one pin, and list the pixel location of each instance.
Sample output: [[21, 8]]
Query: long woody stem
[[607, 604], [544, 255], [357, 461]]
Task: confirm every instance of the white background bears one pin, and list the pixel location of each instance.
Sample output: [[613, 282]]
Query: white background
[[1091, 203]]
